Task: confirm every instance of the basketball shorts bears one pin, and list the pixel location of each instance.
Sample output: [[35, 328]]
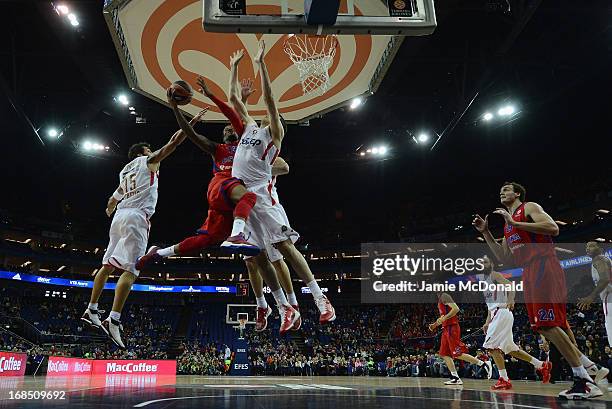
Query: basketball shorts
[[129, 234], [450, 344], [219, 189], [268, 223], [499, 334], [545, 293]]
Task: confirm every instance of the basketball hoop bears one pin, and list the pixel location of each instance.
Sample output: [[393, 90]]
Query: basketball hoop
[[242, 323], [312, 55]]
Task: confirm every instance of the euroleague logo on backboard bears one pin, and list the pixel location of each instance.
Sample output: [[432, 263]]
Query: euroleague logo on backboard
[[174, 45]]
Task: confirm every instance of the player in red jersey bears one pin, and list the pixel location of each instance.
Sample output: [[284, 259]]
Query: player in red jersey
[[227, 197], [451, 346], [527, 242]]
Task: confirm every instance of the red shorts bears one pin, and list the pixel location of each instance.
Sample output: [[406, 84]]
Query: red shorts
[[219, 190], [545, 293], [450, 344]]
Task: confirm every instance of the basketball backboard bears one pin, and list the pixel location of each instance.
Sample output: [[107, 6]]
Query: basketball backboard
[[372, 17], [161, 41]]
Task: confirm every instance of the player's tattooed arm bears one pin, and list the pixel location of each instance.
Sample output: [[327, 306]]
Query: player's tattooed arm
[[280, 167], [542, 222], [201, 141], [234, 87], [276, 127], [604, 268], [501, 251]]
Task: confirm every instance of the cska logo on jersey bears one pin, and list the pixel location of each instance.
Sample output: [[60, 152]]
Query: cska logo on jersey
[[508, 228]]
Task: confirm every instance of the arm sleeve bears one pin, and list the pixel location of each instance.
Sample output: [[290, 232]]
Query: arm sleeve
[[231, 114]]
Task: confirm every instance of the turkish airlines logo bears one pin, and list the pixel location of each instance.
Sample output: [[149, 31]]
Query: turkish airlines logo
[[10, 364], [113, 367]]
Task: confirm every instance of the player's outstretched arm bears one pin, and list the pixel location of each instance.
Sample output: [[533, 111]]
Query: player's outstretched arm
[[280, 167], [276, 127], [115, 198], [229, 112], [234, 87], [201, 141], [162, 153]]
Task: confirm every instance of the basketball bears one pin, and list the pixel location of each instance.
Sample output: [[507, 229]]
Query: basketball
[[180, 92]]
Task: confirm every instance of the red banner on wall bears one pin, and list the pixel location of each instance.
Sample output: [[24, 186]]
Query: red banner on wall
[[121, 367], [60, 366], [12, 363]]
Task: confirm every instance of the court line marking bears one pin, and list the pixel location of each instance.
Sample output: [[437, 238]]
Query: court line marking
[[483, 402]]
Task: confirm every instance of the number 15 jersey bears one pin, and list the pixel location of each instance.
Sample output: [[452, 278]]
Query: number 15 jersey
[[139, 184]]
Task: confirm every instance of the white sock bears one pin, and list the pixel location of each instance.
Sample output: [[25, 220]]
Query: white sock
[[261, 302], [292, 299], [238, 227], [93, 306], [168, 251], [455, 374], [580, 372], [536, 363], [115, 315], [280, 298], [585, 361], [503, 374], [315, 290]]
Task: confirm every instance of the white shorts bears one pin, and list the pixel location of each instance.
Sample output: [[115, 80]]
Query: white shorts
[[268, 223], [129, 234], [499, 333], [607, 309]]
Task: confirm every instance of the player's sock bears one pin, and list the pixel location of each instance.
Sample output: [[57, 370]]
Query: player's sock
[[292, 299], [93, 306], [242, 210], [585, 361], [503, 374], [454, 374], [536, 363], [315, 290], [167, 252], [279, 296], [580, 372], [261, 302], [238, 227], [115, 315]]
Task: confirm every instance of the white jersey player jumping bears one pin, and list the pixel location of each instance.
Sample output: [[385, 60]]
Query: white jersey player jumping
[[135, 201], [499, 339], [268, 224], [601, 272]]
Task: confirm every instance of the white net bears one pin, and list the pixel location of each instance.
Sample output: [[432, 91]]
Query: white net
[[312, 55]]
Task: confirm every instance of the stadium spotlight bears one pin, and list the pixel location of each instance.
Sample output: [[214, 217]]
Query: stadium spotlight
[[73, 19], [382, 150], [63, 9], [132, 108], [362, 153], [423, 137], [375, 151], [506, 110], [122, 99], [356, 102], [87, 146], [52, 133], [487, 116]]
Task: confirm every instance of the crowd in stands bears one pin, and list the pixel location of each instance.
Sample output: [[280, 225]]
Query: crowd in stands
[[198, 359]]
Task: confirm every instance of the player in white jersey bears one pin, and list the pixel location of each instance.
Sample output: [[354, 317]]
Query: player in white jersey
[[601, 272], [135, 199], [269, 224], [499, 339]]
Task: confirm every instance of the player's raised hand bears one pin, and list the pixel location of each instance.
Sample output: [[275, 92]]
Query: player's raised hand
[[433, 326], [481, 224], [198, 116], [260, 52], [504, 213], [236, 57], [585, 303], [203, 87], [246, 88]]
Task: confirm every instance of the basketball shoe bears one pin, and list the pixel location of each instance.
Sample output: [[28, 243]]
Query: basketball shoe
[[328, 313], [288, 317], [454, 381], [148, 258], [92, 317], [545, 371], [239, 244], [581, 389], [598, 373], [502, 384], [113, 328], [261, 322], [298, 323]]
